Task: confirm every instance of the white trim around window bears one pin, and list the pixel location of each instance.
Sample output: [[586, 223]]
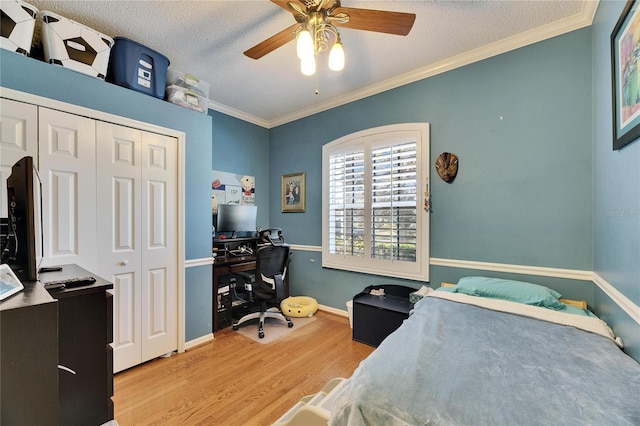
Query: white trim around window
[[375, 184]]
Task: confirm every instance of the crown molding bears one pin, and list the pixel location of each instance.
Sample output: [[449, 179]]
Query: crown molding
[[216, 106], [545, 32], [512, 43]]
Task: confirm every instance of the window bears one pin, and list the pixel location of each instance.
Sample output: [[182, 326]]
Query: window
[[374, 185]]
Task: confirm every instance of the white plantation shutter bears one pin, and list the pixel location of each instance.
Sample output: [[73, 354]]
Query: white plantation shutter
[[346, 199], [373, 197], [394, 199]]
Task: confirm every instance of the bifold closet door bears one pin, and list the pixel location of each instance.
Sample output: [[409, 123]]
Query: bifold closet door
[[19, 138], [67, 147], [137, 240], [159, 245], [118, 219]]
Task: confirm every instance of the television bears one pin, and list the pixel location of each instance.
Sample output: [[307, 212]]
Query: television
[[236, 218], [23, 246]]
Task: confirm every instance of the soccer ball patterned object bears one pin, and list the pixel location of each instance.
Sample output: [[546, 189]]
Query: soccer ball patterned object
[[17, 25], [74, 46]]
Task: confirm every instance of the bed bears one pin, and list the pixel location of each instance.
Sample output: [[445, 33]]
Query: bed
[[492, 356]]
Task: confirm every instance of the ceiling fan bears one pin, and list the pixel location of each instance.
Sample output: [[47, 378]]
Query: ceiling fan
[[320, 18]]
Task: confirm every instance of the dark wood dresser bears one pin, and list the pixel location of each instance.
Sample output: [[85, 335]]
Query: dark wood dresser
[[85, 331], [55, 353]]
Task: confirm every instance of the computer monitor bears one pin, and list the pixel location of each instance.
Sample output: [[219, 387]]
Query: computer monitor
[[236, 218], [23, 248]]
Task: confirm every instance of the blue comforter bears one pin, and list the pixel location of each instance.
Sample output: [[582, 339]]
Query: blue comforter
[[456, 364]]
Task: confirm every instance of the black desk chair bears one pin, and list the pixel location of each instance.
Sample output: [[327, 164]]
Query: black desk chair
[[269, 286]]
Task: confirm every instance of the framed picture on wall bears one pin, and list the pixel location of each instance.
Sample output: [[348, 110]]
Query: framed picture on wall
[[625, 75], [293, 192]]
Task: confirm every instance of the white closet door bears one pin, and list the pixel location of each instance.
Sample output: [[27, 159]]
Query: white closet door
[[67, 163], [137, 235], [119, 229], [159, 233], [19, 133]]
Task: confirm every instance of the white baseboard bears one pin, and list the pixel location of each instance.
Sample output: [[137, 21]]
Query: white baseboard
[[334, 311], [199, 341]]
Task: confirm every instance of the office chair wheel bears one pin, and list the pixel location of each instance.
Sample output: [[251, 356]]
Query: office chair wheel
[[235, 327], [261, 334], [289, 324]]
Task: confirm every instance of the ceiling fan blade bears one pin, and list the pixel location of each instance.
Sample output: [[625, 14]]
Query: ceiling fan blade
[[272, 43], [380, 21]]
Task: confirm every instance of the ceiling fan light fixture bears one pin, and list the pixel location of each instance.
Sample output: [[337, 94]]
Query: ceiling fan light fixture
[[308, 65], [304, 44], [336, 56]]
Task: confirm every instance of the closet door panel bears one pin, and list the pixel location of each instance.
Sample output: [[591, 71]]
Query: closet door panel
[[159, 237], [63, 234], [125, 335], [119, 235], [19, 138], [67, 151]]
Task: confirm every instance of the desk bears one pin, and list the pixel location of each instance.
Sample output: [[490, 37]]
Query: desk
[[226, 264]]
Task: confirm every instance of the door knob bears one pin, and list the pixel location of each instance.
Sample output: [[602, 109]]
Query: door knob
[[124, 262]]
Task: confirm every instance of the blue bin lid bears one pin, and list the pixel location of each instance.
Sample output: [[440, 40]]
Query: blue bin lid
[[125, 40]]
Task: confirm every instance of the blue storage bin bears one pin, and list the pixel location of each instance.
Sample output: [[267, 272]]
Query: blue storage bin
[[137, 67]]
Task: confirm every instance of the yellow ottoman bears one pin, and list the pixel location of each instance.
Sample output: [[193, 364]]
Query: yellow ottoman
[[299, 306]]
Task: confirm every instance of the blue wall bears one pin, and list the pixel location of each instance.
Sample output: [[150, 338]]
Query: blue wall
[[523, 194], [616, 201], [39, 78], [538, 184], [243, 148], [198, 308]]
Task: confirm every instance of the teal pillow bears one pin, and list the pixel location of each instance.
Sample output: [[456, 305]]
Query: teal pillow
[[515, 291]]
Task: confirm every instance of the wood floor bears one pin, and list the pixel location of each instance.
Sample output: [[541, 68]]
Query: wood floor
[[236, 381]]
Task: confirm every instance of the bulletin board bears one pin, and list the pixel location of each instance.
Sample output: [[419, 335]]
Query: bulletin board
[[230, 188]]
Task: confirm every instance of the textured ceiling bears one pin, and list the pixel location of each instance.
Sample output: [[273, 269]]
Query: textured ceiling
[[208, 38]]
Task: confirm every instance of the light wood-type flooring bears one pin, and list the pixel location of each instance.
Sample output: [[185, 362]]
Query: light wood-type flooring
[[233, 380]]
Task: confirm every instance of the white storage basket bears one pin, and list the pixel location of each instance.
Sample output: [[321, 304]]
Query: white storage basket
[[18, 25], [74, 46]]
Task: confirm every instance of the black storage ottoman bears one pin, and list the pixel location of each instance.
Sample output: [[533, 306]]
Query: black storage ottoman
[[375, 317]]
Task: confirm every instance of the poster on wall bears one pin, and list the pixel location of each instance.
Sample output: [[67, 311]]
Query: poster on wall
[[625, 51], [230, 188]]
